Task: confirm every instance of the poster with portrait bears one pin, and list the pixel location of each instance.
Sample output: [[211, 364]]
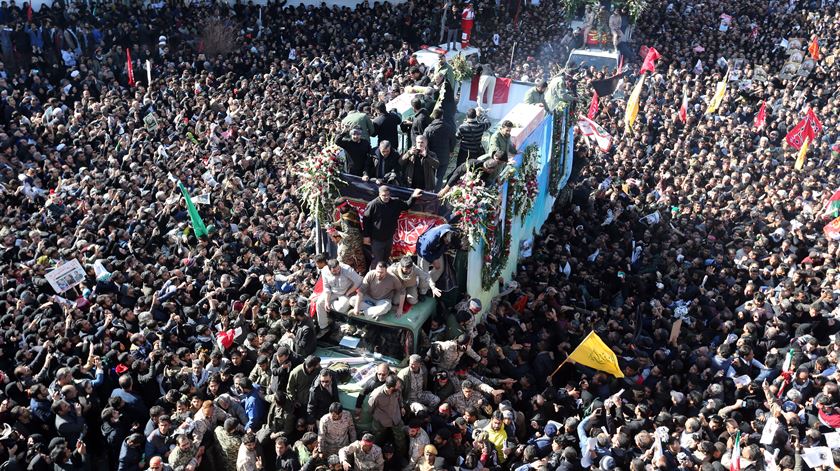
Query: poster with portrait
[[66, 276], [150, 121], [806, 67], [794, 44], [789, 70], [795, 55], [760, 74]]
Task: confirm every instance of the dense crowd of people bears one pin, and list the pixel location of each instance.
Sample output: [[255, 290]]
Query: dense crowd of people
[[722, 310]]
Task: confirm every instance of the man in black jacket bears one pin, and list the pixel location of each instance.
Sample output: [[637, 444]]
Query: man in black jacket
[[489, 167], [304, 332], [384, 165], [381, 216], [287, 459], [441, 142], [324, 391], [453, 27], [386, 124], [419, 166], [357, 149], [419, 122]]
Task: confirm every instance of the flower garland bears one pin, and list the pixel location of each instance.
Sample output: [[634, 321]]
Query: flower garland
[[320, 176], [474, 203], [524, 184], [558, 157], [493, 264]]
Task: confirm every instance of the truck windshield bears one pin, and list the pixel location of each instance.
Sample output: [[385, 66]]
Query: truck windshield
[[586, 61], [358, 336]]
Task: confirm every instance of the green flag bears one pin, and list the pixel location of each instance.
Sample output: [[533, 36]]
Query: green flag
[[198, 225]]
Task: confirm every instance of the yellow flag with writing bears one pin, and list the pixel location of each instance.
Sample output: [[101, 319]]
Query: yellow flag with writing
[[594, 353], [800, 159], [633, 105], [720, 92]]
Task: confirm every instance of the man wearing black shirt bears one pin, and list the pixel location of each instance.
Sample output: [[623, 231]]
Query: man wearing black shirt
[[381, 216], [419, 122], [386, 125], [420, 166], [384, 165], [357, 150], [489, 167]]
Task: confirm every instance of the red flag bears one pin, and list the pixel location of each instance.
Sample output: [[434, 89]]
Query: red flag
[[761, 117], [29, 12], [593, 106], [650, 60], [224, 339], [808, 128], [814, 121], [500, 93], [814, 48], [316, 291], [129, 67], [684, 108]]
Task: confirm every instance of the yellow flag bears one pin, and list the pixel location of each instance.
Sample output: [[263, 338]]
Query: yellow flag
[[594, 353], [633, 105], [800, 159], [720, 91]]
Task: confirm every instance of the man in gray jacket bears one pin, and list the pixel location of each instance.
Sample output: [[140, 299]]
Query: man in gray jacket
[[386, 409]]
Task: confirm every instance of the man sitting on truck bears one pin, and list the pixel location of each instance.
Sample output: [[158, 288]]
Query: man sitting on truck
[[340, 283], [380, 290], [416, 282]]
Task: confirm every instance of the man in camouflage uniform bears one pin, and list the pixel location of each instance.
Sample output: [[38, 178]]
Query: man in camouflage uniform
[[466, 397], [417, 441], [414, 379], [335, 430], [229, 441], [362, 455], [446, 354]]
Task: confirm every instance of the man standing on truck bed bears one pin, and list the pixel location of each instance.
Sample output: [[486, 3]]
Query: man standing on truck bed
[[381, 216]]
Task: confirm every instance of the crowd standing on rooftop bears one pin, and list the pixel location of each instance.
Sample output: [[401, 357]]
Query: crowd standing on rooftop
[[126, 371]]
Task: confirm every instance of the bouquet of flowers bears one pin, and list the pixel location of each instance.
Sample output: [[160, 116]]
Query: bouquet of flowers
[[320, 176], [462, 69], [474, 203]]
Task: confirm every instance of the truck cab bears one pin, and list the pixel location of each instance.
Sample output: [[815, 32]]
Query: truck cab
[[598, 58], [359, 343]]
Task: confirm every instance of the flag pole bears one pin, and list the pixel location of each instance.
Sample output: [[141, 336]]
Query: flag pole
[[558, 368], [512, 51]]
